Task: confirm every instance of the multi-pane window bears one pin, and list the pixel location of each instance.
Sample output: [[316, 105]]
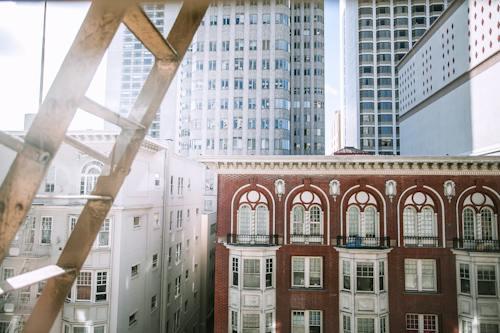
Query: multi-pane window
[[486, 280], [421, 323], [306, 321], [464, 278], [362, 224], [346, 275], [250, 323], [488, 328], [7, 273], [46, 226], [365, 325], [251, 273], [269, 322], [235, 272], [84, 286], [478, 220], [101, 286], [420, 275], [364, 277], [346, 324], [103, 236], [306, 222], [419, 227], [177, 286], [253, 222], [89, 175], [269, 273], [307, 272], [234, 322], [381, 276]]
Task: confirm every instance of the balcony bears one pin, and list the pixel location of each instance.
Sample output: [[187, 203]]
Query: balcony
[[356, 242], [252, 240], [477, 245], [306, 239], [421, 241]]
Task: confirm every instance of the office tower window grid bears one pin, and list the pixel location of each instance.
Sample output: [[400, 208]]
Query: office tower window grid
[[245, 64], [387, 29]]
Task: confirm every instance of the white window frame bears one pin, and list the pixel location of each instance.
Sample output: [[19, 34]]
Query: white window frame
[[305, 224], [419, 276], [307, 272], [259, 273], [269, 326], [307, 321], [494, 280], [373, 277], [98, 283], [43, 221], [421, 318], [105, 228], [250, 313], [358, 319], [84, 285], [235, 272]]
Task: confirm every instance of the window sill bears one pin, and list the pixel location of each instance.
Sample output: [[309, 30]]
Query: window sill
[[306, 289], [423, 292]]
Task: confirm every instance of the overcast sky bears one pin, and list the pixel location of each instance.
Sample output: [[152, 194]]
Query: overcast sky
[[20, 50]]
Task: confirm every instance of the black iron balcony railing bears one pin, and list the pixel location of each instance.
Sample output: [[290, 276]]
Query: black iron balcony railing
[[238, 239], [477, 245], [307, 239], [357, 242], [421, 241]]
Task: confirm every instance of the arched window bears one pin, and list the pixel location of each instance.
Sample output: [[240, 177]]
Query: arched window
[[362, 219], [306, 218], [370, 222], [88, 179], [420, 221], [298, 220], [253, 219], [479, 223], [468, 218], [244, 220], [262, 223], [353, 217]]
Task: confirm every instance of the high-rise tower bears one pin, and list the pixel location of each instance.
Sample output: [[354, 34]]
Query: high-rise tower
[[253, 80], [376, 34]]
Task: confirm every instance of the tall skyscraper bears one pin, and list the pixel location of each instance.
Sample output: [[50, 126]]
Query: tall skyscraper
[[253, 80], [129, 63], [376, 35]]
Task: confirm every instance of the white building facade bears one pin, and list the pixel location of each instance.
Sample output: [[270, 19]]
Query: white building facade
[[375, 35], [449, 84], [122, 286]]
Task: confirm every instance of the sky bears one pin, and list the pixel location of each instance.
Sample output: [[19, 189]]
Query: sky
[[20, 58]]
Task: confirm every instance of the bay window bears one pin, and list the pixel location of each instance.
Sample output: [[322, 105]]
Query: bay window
[[251, 273], [364, 277], [486, 280]]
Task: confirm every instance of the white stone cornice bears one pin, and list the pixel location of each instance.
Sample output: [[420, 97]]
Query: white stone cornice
[[354, 165]]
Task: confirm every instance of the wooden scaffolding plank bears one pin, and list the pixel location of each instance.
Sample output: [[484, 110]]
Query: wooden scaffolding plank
[[125, 149]]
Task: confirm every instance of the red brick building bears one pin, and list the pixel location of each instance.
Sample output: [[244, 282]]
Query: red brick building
[[357, 244]]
